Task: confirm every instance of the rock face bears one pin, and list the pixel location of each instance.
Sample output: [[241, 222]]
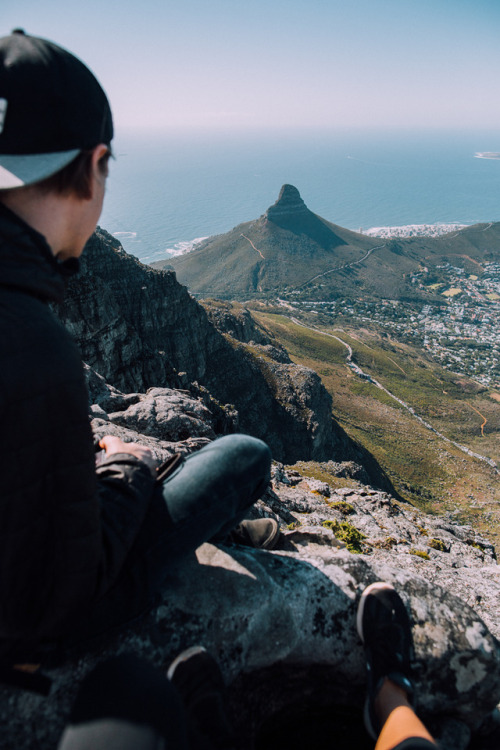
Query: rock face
[[140, 329], [289, 203], [132, 324]]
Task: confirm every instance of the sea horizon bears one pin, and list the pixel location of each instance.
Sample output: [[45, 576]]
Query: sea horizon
[[167, 191]]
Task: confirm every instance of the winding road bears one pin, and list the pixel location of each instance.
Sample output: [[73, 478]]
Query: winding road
[[339, 268], [477, 230], [482, 417], [358, 371]]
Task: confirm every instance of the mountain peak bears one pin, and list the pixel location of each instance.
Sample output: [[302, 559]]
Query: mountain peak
[[289, 203]]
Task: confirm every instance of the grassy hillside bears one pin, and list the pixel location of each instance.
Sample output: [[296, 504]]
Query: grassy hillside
[[259, 257], [292, 251], [427, 470]]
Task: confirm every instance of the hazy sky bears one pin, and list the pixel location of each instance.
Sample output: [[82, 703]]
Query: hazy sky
[[217, 64]]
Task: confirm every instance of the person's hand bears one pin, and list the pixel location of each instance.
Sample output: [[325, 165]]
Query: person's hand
[[112, 444]]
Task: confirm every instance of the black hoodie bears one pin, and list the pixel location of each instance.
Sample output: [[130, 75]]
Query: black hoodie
[[65, 529]]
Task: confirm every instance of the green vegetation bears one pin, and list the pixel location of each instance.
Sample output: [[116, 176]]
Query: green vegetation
[[437, 544], [318, 471], [478, 546], [346, 533], [423, 531], [430, 473], [420, 553], [345, 508]]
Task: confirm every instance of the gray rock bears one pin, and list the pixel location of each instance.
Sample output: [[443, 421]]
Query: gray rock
[[254, 610], [166, 414]]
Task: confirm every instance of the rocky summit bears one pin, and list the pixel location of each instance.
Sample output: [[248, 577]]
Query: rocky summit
[[290, 214], [289, 203]]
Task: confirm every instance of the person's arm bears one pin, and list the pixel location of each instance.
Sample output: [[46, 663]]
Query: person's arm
[[113, 445], [125, 481]]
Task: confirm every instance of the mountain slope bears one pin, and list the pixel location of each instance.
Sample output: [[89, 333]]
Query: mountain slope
[[291, 249], [269, 253], [425, 468]]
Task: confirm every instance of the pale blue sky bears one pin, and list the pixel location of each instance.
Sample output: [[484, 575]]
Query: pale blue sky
[[276, 64]]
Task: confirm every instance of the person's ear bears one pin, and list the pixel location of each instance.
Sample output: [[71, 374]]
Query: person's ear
[[99, 166]]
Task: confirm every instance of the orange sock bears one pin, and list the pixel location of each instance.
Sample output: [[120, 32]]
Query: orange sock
[[401, 724]]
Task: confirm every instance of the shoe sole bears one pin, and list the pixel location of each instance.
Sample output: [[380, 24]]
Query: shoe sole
[[379, 586], [183, 657]]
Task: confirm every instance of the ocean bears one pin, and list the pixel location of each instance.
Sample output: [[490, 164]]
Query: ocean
[[165, 191]]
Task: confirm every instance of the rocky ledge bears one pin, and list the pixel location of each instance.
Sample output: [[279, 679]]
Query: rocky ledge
[[282, 623]]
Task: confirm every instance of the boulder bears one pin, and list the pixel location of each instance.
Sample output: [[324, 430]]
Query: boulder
[[285, 613]]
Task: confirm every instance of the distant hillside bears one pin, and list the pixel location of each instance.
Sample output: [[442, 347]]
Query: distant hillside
[[289, 248], [270, 253], [427, 470]]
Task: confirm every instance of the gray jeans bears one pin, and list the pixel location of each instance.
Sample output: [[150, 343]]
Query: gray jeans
[[205, 497], [111, 734]]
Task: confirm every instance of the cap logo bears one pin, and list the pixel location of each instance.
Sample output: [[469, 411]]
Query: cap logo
[[3, 112]]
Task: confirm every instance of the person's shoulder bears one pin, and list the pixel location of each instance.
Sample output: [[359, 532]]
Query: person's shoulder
[[28, 324]]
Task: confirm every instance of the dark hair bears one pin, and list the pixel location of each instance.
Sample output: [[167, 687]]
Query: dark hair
[[75, 177]]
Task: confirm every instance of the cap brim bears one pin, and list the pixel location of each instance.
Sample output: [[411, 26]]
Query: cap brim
[[18, 171]]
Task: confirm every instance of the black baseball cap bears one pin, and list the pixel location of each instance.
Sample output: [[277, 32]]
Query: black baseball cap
[[51, 108]]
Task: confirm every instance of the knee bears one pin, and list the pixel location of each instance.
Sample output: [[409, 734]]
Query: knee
[[261, 455], [250, 452]]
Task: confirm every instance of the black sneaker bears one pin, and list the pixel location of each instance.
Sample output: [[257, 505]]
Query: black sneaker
[[384, 627], [263, 533], [197, 677]]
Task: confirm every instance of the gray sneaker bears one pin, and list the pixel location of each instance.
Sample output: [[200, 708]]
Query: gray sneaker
[[263, 533]]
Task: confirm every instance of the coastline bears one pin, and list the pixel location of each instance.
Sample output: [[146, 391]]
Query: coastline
[[414, 230], [386, 232]]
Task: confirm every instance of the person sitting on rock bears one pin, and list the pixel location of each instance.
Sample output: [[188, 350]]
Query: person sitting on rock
[[82, 549], [125, 702]]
